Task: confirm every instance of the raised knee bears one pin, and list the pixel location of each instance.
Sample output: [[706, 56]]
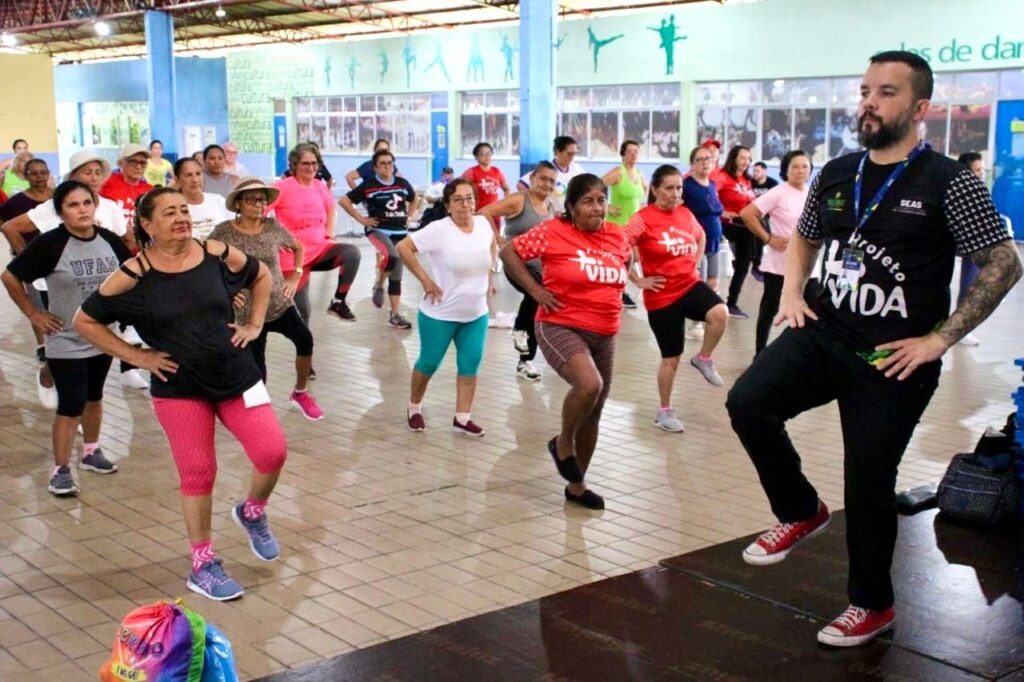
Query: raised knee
[[718, 315]]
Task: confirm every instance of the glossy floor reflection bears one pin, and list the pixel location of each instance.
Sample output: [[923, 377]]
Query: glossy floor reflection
[[387, 533]]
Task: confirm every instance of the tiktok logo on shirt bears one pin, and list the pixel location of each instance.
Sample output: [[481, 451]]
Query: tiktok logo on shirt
[[681, 245], [593, 264], [868, 299], [395, 208]]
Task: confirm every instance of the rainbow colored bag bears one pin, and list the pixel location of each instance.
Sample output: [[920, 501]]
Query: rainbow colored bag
[[162, 642]]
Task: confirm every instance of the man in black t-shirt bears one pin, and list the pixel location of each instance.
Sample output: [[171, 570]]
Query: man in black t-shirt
[[761, 183], [872, 333]]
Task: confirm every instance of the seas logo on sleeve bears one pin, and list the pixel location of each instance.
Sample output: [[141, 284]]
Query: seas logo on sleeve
[[600, 266]]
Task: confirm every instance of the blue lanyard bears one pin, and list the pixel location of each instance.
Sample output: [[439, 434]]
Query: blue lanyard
[[858, 184]]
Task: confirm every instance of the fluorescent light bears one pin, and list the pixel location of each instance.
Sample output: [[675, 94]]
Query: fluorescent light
[[220, 13], [102, 28], [8, 40]]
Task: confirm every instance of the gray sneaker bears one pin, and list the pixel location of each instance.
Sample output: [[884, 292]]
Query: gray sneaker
[[398, 322], [62, 482], [521, 340], [668, 421], [97, 462], [707, 369], [378, 297], [261, 541], [213, 583]]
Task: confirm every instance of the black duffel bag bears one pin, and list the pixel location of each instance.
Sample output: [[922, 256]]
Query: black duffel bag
[[979, 488]]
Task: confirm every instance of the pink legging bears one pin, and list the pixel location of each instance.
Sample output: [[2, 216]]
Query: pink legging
[[189, 425]]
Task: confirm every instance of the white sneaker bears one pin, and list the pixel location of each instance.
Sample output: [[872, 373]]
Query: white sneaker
[[970, 340], [668, 421], [47, 396], [526, 370], [521, 340], [695, 331], [134, 378]]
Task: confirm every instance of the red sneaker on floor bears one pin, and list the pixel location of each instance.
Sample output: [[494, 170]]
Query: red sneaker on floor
[[855, 626], [307, 405], [469, 428], [416, 422], [774, 544]]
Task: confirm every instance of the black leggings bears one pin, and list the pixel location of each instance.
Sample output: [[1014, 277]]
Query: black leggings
[[743, 246], [344, 257], [291, 326], [769, 306], [78, 381], [527, 313]]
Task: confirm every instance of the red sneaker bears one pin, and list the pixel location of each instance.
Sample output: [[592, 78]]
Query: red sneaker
[[416, 422], [856, 626], [469, 428], [774, 544]]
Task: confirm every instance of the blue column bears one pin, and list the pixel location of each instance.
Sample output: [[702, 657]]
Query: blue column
[[536, 81], [160, 80]]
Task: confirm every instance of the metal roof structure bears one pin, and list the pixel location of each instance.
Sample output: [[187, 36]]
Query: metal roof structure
[[86, 30]]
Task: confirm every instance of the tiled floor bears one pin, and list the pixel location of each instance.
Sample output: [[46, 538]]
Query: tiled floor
[[387, 532]]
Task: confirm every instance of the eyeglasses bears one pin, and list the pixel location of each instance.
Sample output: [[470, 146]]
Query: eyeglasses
[[702, 159], [308, 163], [462, 200], [138, 163], [255, 199]]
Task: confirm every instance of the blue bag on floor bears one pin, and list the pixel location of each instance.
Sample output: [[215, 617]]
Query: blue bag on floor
[[219, 660]]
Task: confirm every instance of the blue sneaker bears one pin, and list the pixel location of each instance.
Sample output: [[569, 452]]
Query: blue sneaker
[[261, 541], [213, 583]]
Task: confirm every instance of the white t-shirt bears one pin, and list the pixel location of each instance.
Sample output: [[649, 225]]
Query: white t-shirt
[[561, 184], [208, 215], [783, 204], [460, 264], [108, 215]]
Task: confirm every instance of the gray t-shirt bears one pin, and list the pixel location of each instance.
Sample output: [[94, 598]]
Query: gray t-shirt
[[265, 247], [222, 185], [73, 268]]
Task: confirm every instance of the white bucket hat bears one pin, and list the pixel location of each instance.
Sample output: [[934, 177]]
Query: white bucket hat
[[79, 159]]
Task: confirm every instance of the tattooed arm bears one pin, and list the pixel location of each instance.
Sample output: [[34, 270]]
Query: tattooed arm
[[1000, 269]]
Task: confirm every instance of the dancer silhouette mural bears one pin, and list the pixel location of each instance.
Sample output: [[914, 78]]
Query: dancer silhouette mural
[[507, 51], [597, 43], [667, 31]]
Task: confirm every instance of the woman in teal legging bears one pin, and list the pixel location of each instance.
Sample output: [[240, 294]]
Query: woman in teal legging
[[462, 250]]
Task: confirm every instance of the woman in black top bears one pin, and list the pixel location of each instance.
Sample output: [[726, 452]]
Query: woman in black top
[[178, 295]]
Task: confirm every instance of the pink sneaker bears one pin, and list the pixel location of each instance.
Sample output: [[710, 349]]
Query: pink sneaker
[[856, 626], [307, 405], [774, 544]]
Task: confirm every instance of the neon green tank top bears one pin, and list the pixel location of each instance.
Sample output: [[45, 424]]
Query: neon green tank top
[[625, 195], [13, 184]]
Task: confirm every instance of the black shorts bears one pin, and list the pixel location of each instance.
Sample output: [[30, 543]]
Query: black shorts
[[667, 323], [78, 381]]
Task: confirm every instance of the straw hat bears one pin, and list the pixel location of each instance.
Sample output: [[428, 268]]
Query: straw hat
[[246, 184], [79, 159], [130, 150]]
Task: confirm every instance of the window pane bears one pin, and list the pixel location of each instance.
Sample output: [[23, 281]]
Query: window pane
[[604, 131], [1011, 84], [303, 128], [367, 133], [843, 132], [745, 92], [350, 134], [336, 104], [496, 132], [741, 127], [576, 98], [302, 105], [496, 99], [710, 124], [665, 134], [515, 134], [809, 133], [636, 96], [778, 91], [810, 91], [513, 99], [969, 129], [636, 125], [666, 95], [472, 132], [943, 90], [607, 97], [935, 132], [332, 143], [472, 101], [846, 90], [713, 93], [976, 86], [776, 135], [423, 102], [575, 126], [386, 128], [367, 104], [351, 104], [319, 104]]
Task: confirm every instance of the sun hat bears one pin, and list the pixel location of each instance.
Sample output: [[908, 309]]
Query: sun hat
[[130, 150], [244, 185], [79, 159]]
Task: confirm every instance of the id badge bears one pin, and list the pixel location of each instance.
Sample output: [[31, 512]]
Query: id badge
[[256, 396], [849, 276]]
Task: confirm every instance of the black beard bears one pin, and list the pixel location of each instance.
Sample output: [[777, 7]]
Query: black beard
[[887, 135]]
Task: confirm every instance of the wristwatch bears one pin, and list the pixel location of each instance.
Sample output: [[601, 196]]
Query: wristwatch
[[298, 271]]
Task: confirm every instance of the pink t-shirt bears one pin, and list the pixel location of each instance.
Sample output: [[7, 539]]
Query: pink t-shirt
[[303, 209], [783, 204]]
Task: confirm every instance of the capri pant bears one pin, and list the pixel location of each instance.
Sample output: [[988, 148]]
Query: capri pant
[[189, 425], [435, 337], [291, 326], [559, 344], [78, 381], [390, 262]]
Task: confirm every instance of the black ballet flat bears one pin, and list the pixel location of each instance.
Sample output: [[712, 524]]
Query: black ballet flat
[[588, 499], [568, 468]]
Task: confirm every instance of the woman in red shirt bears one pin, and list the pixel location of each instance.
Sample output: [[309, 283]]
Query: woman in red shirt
[[736, 191], [489, 182], [669, 243], [585, 262]]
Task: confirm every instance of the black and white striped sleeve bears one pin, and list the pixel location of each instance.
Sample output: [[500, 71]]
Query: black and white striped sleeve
[[971, 216]]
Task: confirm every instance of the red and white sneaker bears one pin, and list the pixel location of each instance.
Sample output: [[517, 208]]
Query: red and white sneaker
[[307, 405], [855, 626], [773, 545]]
